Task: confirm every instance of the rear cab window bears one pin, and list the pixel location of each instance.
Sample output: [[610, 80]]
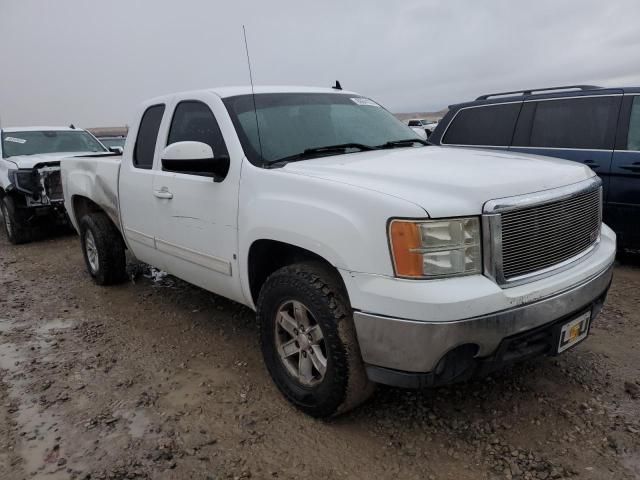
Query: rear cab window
[[145, 147], [485, 125]]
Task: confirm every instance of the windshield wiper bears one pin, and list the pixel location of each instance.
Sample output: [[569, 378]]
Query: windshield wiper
[[319, 151], [407, 142]]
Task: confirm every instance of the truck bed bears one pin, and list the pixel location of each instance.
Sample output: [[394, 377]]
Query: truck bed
[[94, 177]]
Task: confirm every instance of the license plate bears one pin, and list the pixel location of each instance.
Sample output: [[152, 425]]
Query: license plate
[[574, 331]]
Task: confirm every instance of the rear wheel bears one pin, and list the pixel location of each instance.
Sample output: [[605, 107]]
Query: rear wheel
[[103, 249], [308, 340], [15, 223]]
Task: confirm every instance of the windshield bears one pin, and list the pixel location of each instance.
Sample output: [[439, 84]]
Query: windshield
[[48, 141], [112, 141], [291, 123]]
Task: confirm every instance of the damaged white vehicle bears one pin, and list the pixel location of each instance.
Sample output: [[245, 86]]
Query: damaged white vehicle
[[30, 187]]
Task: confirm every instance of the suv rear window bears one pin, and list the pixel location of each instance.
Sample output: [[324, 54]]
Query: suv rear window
[[488, 125], [633, 139], [585, 123]]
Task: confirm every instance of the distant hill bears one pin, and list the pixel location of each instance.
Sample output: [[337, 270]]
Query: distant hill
[[427, 115], [109, 131]]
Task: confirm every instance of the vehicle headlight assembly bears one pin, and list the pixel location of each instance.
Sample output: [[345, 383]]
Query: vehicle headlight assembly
[[24, 180], [440, 248]]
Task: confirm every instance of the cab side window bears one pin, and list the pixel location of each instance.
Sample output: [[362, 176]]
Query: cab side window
[[145, 146], [194, 121], [633, 137]]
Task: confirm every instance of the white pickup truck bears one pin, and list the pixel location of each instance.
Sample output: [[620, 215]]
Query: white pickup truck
[[368, 255], [30, 186]]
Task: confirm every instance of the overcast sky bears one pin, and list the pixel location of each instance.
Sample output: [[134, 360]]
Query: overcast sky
[[90, 62]]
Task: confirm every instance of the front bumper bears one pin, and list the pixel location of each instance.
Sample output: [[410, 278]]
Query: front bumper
[[40, 186], [444, 352]]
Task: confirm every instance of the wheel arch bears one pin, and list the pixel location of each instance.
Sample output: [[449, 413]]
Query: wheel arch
[[265, 256], [82, 206], [16, 195]]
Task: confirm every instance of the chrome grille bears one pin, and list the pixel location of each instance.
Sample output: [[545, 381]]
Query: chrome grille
[[542, 236]]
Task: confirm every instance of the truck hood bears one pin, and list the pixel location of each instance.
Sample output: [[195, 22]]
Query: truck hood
[[29, 161], [445, 181]]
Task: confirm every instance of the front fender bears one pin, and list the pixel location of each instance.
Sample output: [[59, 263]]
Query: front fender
[[345, 225]]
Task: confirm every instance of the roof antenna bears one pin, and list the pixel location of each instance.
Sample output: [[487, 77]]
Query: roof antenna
[[337, 86], [72, 126], [253, 93]]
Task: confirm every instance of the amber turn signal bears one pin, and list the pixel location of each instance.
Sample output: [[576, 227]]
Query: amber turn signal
[[405, 248]]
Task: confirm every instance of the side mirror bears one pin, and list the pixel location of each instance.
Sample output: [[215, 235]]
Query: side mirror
[[117, 150], [194, 158]]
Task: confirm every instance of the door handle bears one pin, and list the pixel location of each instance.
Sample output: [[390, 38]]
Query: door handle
[[163, 193], [635, 167]]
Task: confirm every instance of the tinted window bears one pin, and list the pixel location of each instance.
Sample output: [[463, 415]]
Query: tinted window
[[633, 139], [193, 121], [487, 125], [415, 123], [573, 123], [147, 135]]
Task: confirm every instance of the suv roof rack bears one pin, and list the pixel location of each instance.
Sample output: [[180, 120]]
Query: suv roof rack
[[531, 90]]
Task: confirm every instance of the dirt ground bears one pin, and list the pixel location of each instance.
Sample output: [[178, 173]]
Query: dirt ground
[[157, 379]]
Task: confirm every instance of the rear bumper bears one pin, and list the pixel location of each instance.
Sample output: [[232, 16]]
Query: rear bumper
[[412, 354]]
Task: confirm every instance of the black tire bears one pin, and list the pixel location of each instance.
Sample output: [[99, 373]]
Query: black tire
[[345, 384], [15, 222], [110, 261]]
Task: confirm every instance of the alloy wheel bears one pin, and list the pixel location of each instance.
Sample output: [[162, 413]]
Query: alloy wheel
[[300, 343], [91, 251]]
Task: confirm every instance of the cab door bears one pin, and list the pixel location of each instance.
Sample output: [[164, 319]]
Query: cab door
[[196, 217], [137, 202], [623, 206]]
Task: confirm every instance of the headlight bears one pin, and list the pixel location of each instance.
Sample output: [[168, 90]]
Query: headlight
[[25, 180], [436, 248]]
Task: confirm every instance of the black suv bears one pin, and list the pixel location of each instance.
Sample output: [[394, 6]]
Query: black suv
[[597, 126]]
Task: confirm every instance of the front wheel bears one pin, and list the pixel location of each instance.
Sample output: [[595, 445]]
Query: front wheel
[[14, 222], [308, 340], [103, 249]]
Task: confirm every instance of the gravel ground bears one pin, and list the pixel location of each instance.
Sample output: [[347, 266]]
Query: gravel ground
[[158, 379]]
